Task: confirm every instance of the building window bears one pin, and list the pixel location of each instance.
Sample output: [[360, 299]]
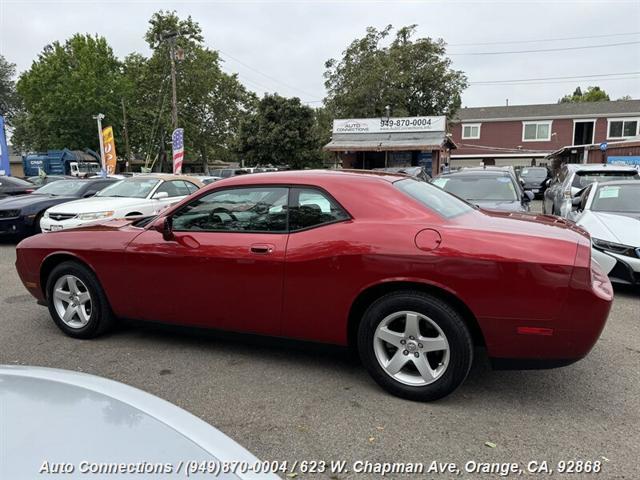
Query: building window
[[623, 128], [536, 131], [471, 131]]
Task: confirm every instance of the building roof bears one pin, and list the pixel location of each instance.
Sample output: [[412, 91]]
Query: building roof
[[389, 141], [549, 110]]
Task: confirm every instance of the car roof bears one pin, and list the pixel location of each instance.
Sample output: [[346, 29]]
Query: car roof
[[577, 167], [165, 177], [324, 177], [489, 172]]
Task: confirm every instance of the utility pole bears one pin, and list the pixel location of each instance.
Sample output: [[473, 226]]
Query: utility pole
[[126, 137], [99, 117], [170, 38]]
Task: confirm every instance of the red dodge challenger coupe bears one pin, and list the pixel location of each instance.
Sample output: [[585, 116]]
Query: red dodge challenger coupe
[[409, 275]]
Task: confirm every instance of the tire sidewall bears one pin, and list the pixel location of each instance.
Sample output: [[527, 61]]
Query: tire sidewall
[[97, 319], [451, 324]]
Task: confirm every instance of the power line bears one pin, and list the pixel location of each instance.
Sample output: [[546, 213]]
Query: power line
[[553, 82], [539, 40], [264, 74], [584, 47], [493, 82]]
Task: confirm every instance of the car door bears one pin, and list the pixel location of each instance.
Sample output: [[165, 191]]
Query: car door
[[319, 258], [223, 266]]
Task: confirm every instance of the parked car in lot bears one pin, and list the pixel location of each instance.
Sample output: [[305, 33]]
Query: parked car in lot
[[573, 177], [493, 188], [21, 214], [134, 196], [534, 179], [610, 212], [229, 172], [38, 181], [116, 430], [409, 275], [14, 186], [416, 172]]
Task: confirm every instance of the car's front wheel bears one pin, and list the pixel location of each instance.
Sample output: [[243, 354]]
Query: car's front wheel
[[415, 345], [77, 302]]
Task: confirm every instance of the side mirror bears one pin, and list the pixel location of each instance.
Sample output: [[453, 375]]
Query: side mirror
[[88, 195], [547, 182], [521, 181], [165, 227], [160, 195], [528, 196], [576, 201]]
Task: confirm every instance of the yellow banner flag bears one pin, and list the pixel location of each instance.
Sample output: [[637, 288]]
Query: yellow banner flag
[[109, 150]]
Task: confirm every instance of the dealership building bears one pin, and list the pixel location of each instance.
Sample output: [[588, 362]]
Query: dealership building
[[369, 143]]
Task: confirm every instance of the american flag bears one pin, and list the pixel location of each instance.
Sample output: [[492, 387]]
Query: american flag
[[177, 139]]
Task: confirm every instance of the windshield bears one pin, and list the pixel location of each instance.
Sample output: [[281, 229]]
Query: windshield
[[534, 173], [63, 188], [434, 198], [477, 187], [584, 179], [130, 188], [617, 198], [15, 182]]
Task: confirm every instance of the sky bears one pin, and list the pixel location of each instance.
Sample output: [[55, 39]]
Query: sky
[[281, 46]]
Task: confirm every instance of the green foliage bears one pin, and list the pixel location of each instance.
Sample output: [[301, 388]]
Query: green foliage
[[8, 99], [593, 94], [63, 89], [210, 102], [414, 77], [282, 131]]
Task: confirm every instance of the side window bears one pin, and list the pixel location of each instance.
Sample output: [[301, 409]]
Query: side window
[[174, 188], [191, 187], [259, 209], [310, 207]]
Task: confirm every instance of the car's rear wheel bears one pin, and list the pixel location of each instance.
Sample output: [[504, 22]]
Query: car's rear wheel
[[77, 302], [415, 345]]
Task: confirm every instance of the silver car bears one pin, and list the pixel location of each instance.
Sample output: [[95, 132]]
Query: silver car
[[55, 422]]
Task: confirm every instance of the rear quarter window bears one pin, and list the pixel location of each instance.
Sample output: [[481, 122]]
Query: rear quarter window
[[433, 197]]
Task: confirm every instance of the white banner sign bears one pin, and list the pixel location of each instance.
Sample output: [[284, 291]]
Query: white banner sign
[[382, 125]]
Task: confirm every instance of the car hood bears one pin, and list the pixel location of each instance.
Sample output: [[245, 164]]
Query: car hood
[[508, 206], [98, 204], [615, 228], [103, 421], [21, 201]]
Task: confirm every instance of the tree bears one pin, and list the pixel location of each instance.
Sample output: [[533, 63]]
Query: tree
[[593, 94], [413, 77], [63, 89], [282, 131], [210, 102], [8, 98]]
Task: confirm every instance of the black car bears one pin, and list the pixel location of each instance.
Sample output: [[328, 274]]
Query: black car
[[39, 181], [14, 186], [534, 179], [490, 187], [20, 215]]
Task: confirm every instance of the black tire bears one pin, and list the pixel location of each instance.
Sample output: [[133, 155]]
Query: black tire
[[36, 223], [101, 318], [447, 319]]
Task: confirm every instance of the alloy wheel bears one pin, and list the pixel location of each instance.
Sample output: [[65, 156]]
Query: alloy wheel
[[411, 348], [72, 301]]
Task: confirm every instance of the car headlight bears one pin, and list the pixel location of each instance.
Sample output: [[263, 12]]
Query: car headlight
[[94, 215], [615, 247]]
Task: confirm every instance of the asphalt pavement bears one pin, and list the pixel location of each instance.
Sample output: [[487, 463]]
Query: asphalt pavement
[[295, 403]]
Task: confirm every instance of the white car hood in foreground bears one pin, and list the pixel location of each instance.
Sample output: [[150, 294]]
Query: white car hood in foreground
[[99, 204], [59, 416], [613, 228]]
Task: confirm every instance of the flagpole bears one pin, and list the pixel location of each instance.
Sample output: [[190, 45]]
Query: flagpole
[[99, 118]]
